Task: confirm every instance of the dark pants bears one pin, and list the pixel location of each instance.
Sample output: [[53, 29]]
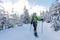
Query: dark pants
[[35, 26]]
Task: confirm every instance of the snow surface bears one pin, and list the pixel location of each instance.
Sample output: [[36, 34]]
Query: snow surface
[[25, 32]]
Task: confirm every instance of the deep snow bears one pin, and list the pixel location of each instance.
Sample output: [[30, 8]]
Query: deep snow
[[25, 32]]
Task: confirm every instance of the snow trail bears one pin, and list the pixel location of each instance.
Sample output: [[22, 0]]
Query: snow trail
[[25, 32]]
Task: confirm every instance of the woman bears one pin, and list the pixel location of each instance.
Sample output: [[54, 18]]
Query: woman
[[34, 22]]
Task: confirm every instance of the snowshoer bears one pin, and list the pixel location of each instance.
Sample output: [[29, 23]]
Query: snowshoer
[[34, 22]]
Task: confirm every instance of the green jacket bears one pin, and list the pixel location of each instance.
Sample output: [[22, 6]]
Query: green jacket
[[34, 19]]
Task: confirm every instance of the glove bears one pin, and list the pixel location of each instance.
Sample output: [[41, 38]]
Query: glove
[[41, 19]]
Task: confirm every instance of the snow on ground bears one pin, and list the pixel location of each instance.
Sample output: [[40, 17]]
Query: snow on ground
[[25, 32]]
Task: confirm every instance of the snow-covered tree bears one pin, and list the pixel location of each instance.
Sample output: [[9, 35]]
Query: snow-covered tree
[[43, 16], [55, 15], [21, 19], [26, 15]]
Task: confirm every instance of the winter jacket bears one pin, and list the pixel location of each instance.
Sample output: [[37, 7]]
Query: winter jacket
[[34, 19]]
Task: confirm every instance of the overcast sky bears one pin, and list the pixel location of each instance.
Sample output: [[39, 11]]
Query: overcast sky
[[35, 2], [32, 5]]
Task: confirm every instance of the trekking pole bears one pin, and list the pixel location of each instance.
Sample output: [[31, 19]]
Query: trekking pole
[[42, 26], [30, 26]]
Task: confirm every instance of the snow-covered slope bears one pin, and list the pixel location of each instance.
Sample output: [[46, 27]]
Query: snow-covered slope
[[25, 32]]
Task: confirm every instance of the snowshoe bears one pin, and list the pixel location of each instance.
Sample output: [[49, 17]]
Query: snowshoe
[[35, 34]]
